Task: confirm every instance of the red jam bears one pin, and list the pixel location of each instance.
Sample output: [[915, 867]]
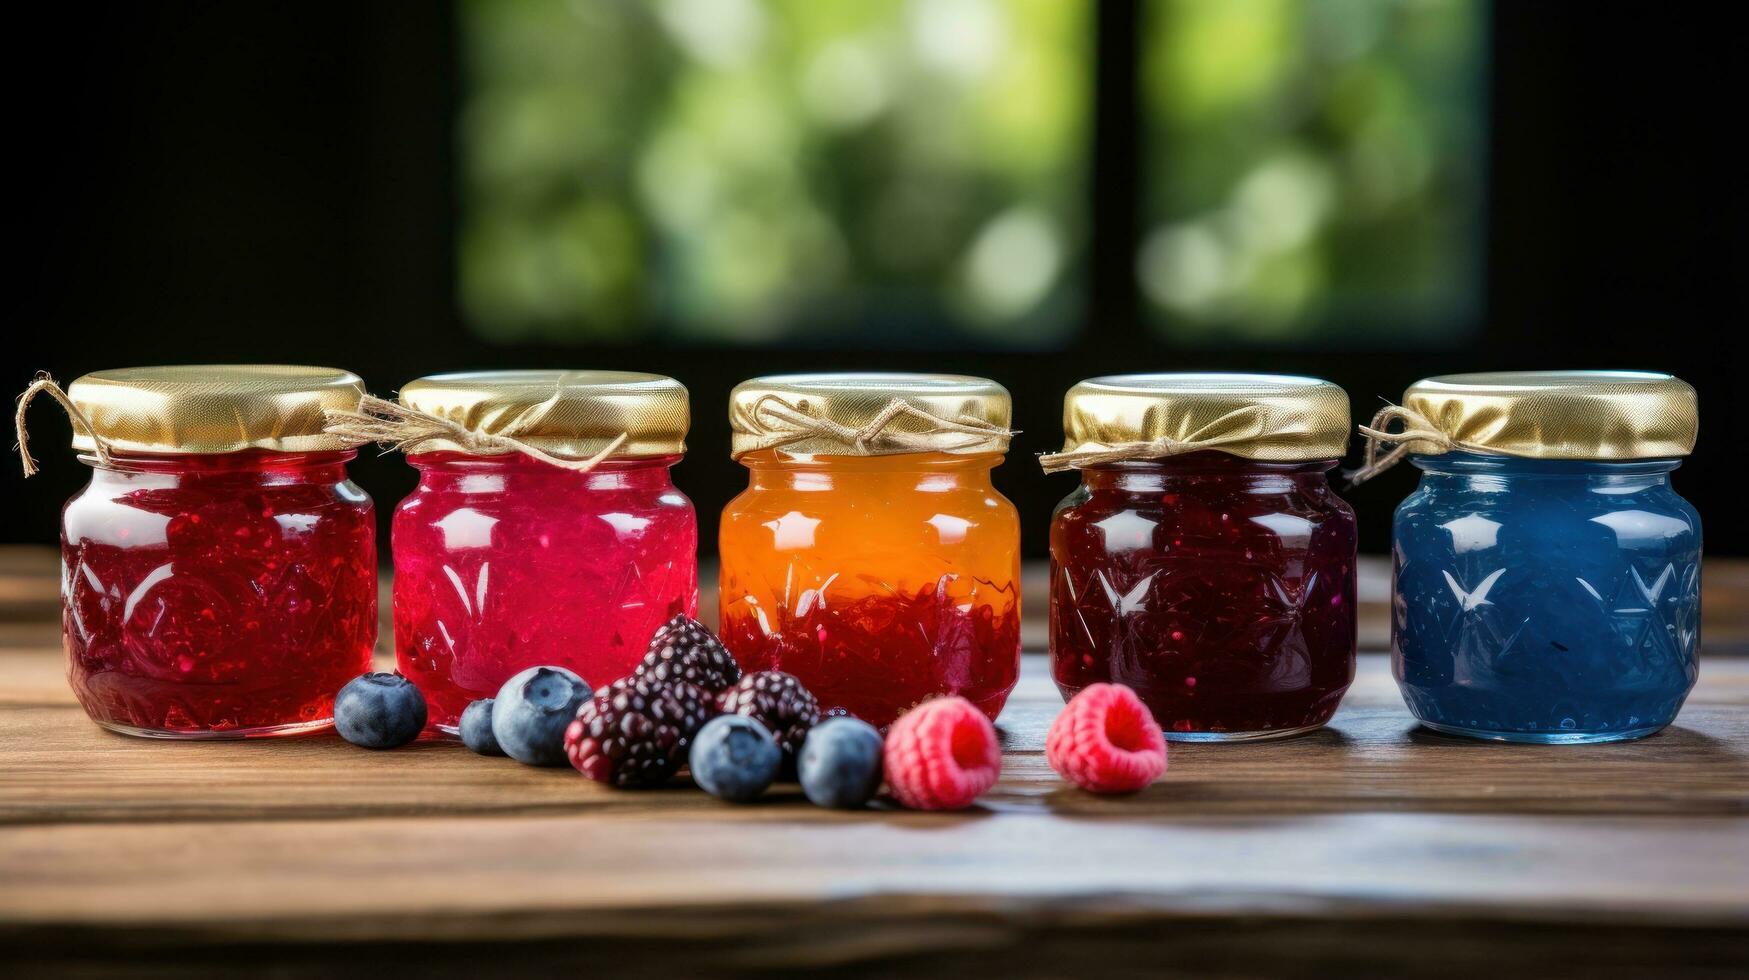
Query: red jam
[[506, 562], [878, 655], [1221, 589], [218, 595]]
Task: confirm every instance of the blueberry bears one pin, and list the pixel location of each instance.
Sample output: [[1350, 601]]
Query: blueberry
[[379, 711], [531, 712], [840, 764], [476, 728], [734, 758]]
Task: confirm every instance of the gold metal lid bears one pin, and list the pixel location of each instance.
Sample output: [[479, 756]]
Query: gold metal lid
[[213, 408], [570, 414], [1558, 414], [1266, 417], [869, 414]]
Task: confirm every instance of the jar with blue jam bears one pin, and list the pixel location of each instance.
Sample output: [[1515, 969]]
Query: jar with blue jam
[[1546, 574]]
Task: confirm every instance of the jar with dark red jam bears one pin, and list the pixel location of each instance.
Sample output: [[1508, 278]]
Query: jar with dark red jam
[[1205, 560], [870, 555], [219, 571], [506, 559]]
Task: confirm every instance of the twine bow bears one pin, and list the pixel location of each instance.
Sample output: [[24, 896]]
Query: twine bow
[[797, 425], [1226, 430], [1416, 428], [396, 426], [44, 383]]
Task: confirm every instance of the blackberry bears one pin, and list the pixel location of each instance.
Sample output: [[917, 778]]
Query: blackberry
[[637, 731], [683, 650], [780, 702]]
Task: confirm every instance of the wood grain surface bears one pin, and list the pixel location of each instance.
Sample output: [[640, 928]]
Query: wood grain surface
[[1371, 848]]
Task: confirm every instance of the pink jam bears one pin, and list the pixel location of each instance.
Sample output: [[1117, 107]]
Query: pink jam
[[218, 595], [505, 562]]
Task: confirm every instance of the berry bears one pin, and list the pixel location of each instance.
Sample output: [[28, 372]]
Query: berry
[[475, 728], [683, 650], [780, 702], [840, 764], [942, 755], [1106, 741], [636, 731], [531, 711], [734, 758], [379, 711]]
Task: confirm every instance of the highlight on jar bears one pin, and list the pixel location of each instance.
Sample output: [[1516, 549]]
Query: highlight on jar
[[545, 529], [870, 555], [1546, 575], [219, 571], [1204, 560]]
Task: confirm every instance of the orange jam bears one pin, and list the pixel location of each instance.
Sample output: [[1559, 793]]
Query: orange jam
[[879, 580]]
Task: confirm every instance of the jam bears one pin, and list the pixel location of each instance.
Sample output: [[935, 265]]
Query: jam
[[1546, 600], [879, 581], [507, 562], [228, 595], [1221, 589]]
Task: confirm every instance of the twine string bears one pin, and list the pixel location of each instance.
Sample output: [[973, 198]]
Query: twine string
[[795, 425], [45, 384], [1417, 428], [396, 426], [1226, 430]]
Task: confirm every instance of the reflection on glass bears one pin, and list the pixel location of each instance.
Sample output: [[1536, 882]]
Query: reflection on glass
[[1316, 167], [749, 171]]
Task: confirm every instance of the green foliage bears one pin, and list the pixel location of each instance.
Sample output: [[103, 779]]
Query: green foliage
[[1317, 167], [913, 172], [745, 171]]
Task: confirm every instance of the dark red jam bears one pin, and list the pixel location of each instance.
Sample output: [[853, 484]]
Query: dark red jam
[[218, 595], [1221, 589]]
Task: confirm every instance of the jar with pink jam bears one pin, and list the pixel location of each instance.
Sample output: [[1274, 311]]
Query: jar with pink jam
[[563, 543]]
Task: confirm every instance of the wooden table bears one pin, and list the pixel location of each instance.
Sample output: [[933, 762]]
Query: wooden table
[[1370, 848]]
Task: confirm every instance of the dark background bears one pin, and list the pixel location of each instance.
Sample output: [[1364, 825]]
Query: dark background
[[233, 182]]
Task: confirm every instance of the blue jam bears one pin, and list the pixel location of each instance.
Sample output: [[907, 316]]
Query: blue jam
[[1545, 601]]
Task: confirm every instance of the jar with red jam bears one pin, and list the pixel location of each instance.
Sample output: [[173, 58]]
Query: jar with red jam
[[1205, 560], [565, 544], [870, 555], [219, 571]]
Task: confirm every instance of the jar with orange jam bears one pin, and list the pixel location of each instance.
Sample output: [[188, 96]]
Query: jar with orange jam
[[870, 555]]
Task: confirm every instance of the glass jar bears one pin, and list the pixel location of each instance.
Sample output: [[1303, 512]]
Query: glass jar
[[505, 561], [1548, 598], [882, 569], [219, 571], [1218, 583]]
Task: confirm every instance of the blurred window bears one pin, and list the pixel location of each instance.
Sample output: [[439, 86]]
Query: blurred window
[[913, 173], [1316, 169], [878, 172]]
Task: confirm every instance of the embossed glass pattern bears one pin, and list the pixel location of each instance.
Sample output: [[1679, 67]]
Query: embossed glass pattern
[[1546, 600], [1221, 589], [878, 581], [217, 595], [506, 562]]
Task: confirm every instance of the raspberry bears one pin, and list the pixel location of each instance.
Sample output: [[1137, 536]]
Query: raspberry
[[1106, 741], [780, 702], [683, 650], [637, 731], [942, 755]]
